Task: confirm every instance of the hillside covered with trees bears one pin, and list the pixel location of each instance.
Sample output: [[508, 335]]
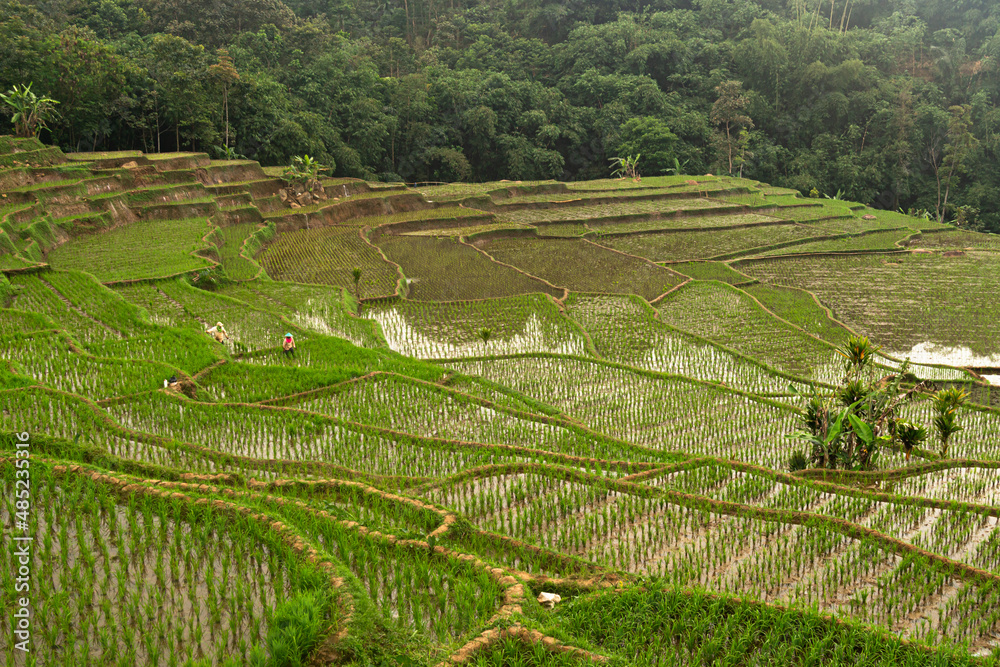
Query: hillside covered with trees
[[889, 103]]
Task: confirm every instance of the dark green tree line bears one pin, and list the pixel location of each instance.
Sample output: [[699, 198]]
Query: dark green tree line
[[849, 96]]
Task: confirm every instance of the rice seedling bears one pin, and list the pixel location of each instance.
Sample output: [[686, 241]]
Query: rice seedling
[[710, 271], [872, 241], [801, 309], [48, 359], [428, 330], [323, 310], [296, 436], [656, 209], [231, 251], [626, 330], [695, 627], [137, 581], [661, 413]]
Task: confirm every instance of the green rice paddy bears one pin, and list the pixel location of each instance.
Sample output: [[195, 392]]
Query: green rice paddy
[[579, 389]]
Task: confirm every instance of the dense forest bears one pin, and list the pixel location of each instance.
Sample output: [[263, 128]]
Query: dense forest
[[888, 102]]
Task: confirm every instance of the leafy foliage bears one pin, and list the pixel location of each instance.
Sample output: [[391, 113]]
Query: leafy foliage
[[626, 167], [850, 436], [29, 112], [303, 169], [444, 92]]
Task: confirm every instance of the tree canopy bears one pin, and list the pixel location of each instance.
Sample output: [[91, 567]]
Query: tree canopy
[[891, 103]]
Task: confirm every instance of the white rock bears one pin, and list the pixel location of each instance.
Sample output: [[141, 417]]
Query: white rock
[[548, 600]]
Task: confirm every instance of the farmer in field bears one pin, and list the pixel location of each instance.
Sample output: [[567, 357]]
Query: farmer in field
[[218, 332], [288, 346]]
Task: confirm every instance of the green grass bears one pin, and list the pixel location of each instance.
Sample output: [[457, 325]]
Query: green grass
[[685, 627], [142, 249], [583, 267]]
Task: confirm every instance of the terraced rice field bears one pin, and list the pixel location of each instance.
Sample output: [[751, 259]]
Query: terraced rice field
[[906, 291], [446, 269], [145, 249], [580, 266], [583, 406], [326, 256], [661, 247]]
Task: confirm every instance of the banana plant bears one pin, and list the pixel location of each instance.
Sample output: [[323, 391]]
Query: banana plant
[[626, 167], [303, 169], [29, 112]]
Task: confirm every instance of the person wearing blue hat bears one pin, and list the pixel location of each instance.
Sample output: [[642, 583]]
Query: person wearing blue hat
[[288, 346]]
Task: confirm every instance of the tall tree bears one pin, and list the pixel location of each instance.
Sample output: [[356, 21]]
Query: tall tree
[[225, 75], [960, 142], [729, 115]]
